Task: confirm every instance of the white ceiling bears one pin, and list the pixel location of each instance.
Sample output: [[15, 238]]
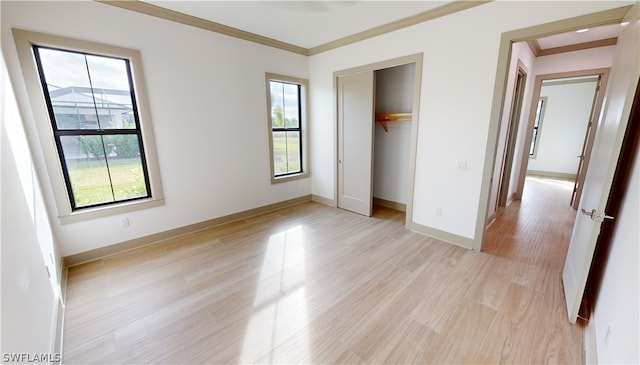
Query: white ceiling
[[310, 23], [302, 23]]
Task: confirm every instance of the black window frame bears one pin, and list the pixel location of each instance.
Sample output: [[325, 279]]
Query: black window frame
[[537, 125], [290, 129], [58, 133]]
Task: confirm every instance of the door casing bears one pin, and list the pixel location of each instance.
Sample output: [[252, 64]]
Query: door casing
[[597, 107], [417, 85], [611, 16]]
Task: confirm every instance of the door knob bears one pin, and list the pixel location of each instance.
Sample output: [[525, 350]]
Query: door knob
[[588, 214], [592, 215]]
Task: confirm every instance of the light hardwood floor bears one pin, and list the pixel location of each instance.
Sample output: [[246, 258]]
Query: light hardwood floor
[[314, 284]]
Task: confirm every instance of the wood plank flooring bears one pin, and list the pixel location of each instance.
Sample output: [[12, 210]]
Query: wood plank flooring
[[314, 284]]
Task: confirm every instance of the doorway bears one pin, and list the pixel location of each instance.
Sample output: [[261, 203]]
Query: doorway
[[586, 226], [361, 139], [495, 144], [561, 129], [392, 135]]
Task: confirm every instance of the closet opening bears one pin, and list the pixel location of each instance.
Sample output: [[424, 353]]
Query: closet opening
[[377, 109], [392, 135]]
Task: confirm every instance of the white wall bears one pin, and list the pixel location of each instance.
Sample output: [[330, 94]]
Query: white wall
[[455, 102], [29, 295], [617, 306], [563, 127], [394, 94], [208, 106]]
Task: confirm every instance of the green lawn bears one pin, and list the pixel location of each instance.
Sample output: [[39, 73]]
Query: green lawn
[[91, 184], [283, 149]]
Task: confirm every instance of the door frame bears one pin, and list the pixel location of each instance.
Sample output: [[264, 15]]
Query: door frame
[[596, 108], [417, 87], [520, 83], [589, 138], [611, 16]]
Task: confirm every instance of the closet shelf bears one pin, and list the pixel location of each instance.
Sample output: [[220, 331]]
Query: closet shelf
[[384, 118]]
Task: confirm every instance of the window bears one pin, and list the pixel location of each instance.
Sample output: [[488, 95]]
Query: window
[[286, 117], [100, 157], [92, 108], [535, 136]]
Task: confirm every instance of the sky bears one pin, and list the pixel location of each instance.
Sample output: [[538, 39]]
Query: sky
[[64, 69]]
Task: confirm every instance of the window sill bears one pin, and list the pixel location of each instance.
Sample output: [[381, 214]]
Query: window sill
[[110, 210], [281, 179]]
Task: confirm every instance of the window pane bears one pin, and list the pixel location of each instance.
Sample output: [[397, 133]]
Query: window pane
[[277, 104], [286, 152], [87, 168], [69, 89], [293, 151], [280, 153], [96, 178], [533, 142], [111, 92], [291, 106], [536, 122], [86, 91], [125, 167]]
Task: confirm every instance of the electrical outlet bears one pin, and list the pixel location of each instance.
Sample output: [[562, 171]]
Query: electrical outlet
[[438, 212], [461, 165]]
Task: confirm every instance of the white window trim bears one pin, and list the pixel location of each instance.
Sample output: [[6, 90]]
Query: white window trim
[[304, 96], [24, 41]]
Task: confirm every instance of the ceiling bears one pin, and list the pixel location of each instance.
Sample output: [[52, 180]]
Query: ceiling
[[302, 23], [312, 23]]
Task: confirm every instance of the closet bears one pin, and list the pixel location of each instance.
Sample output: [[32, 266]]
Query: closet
[[393, 114], [376, 115]]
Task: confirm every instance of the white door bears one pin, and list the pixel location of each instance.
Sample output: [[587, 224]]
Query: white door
[[355, 142], [609, 136]]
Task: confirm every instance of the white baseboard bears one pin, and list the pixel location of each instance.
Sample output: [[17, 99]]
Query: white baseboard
[[561, 175], [58, 342], [447, 237], [590, 342], [390, 204], [322, 200]]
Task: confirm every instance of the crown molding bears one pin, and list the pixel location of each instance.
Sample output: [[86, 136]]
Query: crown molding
[[534, 46], [441, 11], [171, 15]]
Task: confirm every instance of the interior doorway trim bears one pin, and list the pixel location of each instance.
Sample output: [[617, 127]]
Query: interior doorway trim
[[610, 16], [596, 108], [513, 126], [417, 86]]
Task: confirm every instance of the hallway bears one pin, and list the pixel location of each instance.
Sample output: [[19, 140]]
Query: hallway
[[536, 229]]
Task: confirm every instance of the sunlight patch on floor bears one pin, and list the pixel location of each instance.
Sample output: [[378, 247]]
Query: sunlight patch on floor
[[558, 182], [276, 317]]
